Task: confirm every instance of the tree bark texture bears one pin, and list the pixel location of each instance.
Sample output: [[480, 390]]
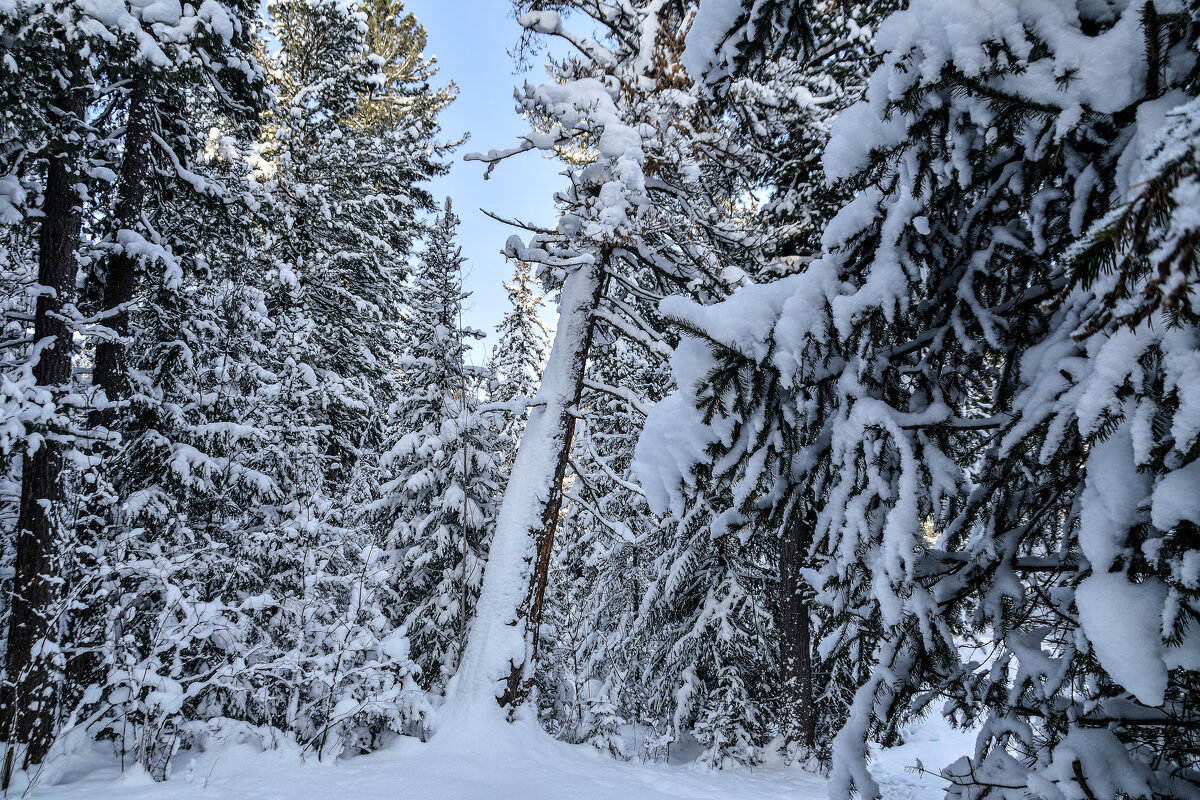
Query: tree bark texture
[[27, 698], [795, 632], [518, 689], [120, 275]]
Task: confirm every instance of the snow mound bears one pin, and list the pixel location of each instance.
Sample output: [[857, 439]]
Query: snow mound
[[480, 757]]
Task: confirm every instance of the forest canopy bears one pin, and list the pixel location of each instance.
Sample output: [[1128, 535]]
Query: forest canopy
[[873, 393]]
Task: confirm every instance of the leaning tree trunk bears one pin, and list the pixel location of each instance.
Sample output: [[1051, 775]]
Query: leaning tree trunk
[[502, 645], [27, 698], [795, 633]]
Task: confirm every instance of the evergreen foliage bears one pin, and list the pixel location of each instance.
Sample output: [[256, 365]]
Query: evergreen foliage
[[874, 391], [992, 492], [440, 469], [656, 196], [523, 342], [214, 468]]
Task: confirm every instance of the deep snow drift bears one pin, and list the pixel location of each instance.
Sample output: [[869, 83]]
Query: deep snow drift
[[485, 759]]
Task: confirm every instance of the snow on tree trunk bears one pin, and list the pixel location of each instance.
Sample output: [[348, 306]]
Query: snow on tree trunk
[[120, 275], [502, 642], [28, 699]]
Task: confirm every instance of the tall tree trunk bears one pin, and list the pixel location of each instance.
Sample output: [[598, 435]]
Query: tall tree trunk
[[120, 276], [795, 633], [110, 373], [27, 699], [502, 645]]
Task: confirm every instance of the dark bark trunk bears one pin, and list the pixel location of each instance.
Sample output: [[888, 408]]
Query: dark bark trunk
[[1151, 28], [795, 633], [553, 510], [110, 370], [27, 701], [120, 275], [517, 689]]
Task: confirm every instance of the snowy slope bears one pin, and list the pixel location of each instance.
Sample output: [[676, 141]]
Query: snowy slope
[[517, 761]]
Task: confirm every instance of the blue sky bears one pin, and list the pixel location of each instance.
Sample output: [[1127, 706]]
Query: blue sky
[[471, 39]]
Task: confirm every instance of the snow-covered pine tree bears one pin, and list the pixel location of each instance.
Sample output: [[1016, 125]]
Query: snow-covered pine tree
[[398, 40], [711, 672], [818, 63], [166, 67], [440, 470], [735, 431], [592, 676], [340, 164], [740, 36], [348, 149], [784, 69], [196, 505], [1023, 514], [46, 85], [178, 73], [642, 213], [693, 168], [77, 72], [213, 577], [700, 685], [522, 343], [996, 480]]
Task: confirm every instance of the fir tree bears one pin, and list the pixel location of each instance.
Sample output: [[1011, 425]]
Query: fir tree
[[523, 341], [440, 468], [347, 179], [785, 90], [639, 215], [975, 473]]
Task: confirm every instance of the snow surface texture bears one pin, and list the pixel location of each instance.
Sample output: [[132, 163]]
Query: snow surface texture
[[494, 760]]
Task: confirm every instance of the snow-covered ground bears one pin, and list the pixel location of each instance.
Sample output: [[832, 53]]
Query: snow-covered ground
[[478, 762]]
